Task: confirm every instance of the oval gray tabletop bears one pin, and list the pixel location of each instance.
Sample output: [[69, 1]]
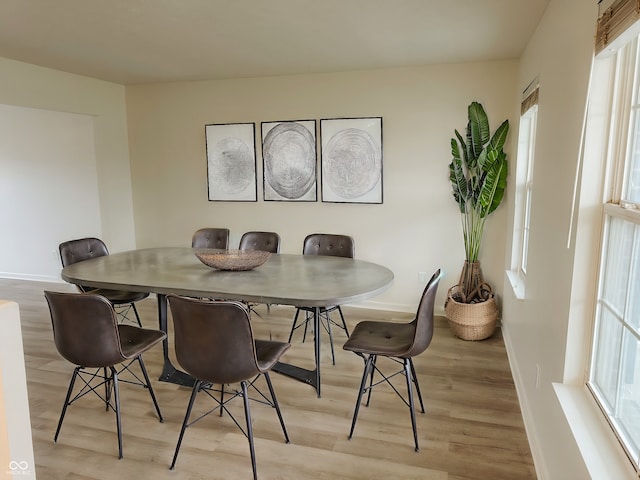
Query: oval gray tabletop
[[299, 280], [302, 280]]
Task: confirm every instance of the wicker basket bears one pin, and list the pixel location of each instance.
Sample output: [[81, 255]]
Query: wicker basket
[[471, 321]]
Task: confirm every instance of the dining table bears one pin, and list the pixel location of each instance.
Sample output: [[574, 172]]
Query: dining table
[[284, 279]]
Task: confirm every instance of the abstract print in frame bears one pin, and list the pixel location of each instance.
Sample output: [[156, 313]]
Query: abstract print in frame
[[289, 160], [351, 165], [231, 162]]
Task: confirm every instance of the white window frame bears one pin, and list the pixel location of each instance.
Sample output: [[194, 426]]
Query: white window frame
[[625, 98], [524, 195]]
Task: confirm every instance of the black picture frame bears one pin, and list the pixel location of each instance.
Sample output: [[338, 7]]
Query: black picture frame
[[289, 160], [231, 162], [351, 160]]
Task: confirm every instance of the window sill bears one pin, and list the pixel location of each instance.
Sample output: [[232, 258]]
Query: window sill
[[517, 284], [601, 452]]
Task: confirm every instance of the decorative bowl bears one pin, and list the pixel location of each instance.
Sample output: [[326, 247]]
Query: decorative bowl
[[235, 260]]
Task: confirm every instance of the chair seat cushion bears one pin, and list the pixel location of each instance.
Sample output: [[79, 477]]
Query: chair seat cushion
[[381, 338], [119, 297], [135, 340], [268, 352]]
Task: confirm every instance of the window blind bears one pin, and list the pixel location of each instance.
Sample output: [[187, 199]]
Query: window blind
[[529, 101], [615, 20], [530, 96]]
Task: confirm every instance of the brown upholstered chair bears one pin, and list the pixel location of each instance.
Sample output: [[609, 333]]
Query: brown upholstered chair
[[211, 238], [264, 241], [399, 342], [74, 251], [330, 245], [214, 344], [87, 334]]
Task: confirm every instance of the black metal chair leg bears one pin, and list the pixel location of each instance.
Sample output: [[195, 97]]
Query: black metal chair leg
[[194, 393], [415, 382], [66, 402], [221, 398], [247, 415], [107, 389], [276, 406], [148, 385], [135, 310], [116, 397], [344, 323], [367, 366], [333, 355], [293, 327], [407, 371], [373, 371], [307, 318]]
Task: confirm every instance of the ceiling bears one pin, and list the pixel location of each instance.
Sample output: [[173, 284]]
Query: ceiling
[[148, 41]]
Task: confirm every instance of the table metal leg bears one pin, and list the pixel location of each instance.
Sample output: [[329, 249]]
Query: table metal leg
[[311, 377], [169, 373]]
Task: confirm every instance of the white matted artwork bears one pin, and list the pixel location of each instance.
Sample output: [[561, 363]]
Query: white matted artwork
[[351, 165], [231, 162], [289, 160]]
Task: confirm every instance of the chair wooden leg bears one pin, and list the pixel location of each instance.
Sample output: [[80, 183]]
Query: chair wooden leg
[[194, 393], [148, 385], [66, 402], [368, 365], [407, 371], [116, 397], [276, 406], [247, 415]]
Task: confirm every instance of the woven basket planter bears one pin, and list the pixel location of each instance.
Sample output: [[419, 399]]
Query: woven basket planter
[[471, 321]]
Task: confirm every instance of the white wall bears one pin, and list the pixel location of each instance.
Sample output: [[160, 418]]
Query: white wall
[[24, 85], [417, 228], [535, 329], [48, 164]]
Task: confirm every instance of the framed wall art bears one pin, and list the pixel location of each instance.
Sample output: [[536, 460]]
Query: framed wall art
[[231, 162], [289, 160], [351, 162]]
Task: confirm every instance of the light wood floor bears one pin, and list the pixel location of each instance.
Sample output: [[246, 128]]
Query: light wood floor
[[472, 429]]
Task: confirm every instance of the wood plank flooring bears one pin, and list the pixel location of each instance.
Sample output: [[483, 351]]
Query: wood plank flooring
[[472, 428]]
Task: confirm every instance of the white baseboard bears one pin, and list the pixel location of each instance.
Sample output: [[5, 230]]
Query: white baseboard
[[34, 278]]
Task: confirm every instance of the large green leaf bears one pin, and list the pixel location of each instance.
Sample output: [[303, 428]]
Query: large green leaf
[[457, 177], [478, 175], [478, 129], [499, 136]]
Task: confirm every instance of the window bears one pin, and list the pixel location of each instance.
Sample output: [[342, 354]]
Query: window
[[614, 371], [524, 188]]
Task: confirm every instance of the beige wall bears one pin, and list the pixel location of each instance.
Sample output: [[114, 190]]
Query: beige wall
[[535, 328], [30, 86], [417, 228]]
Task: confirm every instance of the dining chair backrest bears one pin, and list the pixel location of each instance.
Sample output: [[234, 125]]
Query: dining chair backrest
[[329, 244], [85, 329], [264, 241], [423, 322], [213, 340], [73, 251], [211, 238]]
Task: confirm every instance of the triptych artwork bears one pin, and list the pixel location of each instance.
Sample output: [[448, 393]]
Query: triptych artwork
[[350, 161]]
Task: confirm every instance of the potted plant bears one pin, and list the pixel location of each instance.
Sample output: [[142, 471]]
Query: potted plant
[[478, 175]]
